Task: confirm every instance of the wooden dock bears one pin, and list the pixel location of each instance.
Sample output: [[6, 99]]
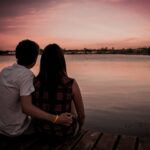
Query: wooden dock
[[86, 140]]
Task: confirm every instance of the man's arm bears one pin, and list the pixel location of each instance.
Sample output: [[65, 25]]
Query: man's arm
[[33, 111]]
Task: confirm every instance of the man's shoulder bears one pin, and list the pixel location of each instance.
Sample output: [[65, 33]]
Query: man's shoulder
[[16, 71], [6, 68], [22, 70]]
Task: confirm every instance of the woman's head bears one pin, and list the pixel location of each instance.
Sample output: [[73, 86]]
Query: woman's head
[[53, 63]]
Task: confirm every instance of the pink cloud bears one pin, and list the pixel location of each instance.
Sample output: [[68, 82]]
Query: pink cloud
[[76, 24]]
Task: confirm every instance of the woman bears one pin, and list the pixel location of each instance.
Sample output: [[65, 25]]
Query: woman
[[56, 93]]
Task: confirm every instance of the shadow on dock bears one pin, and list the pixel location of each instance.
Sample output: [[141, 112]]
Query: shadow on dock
[[86, 140]]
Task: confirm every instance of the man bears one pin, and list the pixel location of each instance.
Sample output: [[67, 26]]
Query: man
[[16, 86]]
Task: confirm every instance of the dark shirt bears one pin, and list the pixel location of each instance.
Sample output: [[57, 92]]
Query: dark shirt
[[55, 100]]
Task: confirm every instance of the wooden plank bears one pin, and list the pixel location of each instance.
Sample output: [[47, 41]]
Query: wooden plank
[[19, 143], [69, 144], [126, 143], [144, 144], [88, 141], [50, 143], [29, 144], [7, 143], [106, 142], [3, 144], [41, 143], [40, 146]]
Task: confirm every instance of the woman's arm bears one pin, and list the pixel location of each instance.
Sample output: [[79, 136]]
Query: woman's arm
[[29, 109], [77, 98]]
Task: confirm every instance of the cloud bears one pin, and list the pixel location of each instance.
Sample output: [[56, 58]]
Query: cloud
[[16, 15], [139, 6], [13, 8], [68, 21]]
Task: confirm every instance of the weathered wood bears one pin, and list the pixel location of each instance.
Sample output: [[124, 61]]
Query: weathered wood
[[28, 144], [18, 143], [106, 142], [40, 146], [87, 141], [41, 143], [144, 144], [7, 143], [126, 143], [69, 144]]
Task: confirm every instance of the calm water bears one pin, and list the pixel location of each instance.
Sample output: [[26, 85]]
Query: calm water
[[115, 90]]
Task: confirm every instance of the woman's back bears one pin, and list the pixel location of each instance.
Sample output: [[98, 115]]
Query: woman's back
[[55, 100], [55, 92]]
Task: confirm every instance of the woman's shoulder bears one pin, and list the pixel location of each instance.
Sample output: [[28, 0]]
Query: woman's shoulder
[[67, 80]]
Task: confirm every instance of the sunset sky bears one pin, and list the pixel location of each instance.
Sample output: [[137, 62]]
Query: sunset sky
[[75, 23]]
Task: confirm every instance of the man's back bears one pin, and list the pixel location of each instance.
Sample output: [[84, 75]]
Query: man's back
[[13, 81]]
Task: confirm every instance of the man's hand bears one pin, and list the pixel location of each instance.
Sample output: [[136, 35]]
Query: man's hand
[[64, 119]]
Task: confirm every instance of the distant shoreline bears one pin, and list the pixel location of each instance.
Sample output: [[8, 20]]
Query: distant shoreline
[[127, 51]]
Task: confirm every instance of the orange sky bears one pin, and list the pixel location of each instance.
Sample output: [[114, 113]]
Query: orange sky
[[76, 24]]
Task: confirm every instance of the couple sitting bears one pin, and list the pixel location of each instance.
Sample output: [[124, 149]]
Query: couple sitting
[[49, 103]]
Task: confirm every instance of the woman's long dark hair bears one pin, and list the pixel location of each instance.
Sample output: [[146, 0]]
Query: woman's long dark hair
[[52, 66]]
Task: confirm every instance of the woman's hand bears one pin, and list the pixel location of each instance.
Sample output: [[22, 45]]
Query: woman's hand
[[64, 119]]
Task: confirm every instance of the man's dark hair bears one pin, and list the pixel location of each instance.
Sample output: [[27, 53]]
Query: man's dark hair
[[27, 52]]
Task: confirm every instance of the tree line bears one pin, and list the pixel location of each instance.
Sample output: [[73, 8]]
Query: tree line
[[130, 51]]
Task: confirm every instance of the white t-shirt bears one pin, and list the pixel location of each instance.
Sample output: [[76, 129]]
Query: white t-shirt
[[15, 81]]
